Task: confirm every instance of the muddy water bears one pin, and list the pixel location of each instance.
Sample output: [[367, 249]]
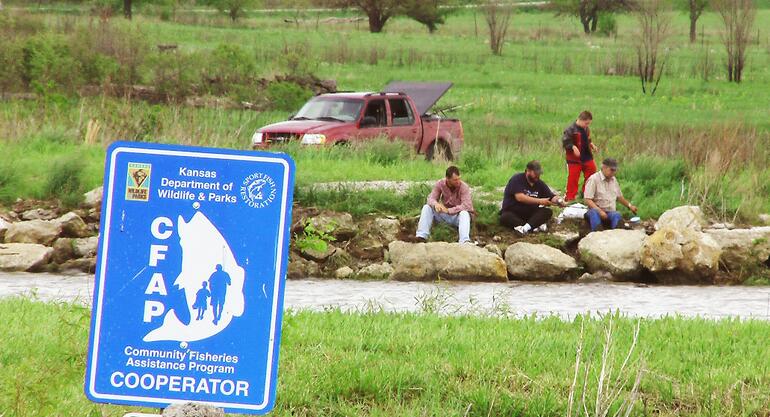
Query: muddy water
[[516, 298]]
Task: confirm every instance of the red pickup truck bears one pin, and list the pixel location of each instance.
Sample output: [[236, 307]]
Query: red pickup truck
[[400, 112]]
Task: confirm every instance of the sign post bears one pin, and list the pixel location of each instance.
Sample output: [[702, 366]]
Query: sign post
[[188, 297]]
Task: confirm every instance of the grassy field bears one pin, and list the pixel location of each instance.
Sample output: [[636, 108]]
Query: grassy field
[[700, 140], [377, 364]]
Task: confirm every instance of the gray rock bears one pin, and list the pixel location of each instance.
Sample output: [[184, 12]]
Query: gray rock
[[192, 410], [38, 214], [600, 276], [680, 218], [85, 247], [566, 238], [302, 268], [318, 255], [339, 225], [388, 228], [339, 258], [742, 247], [43, 232], [494, 249], [681, 256], [93, 198], [73, 225], [63, 250], [344, 272], [528, 261], [446, 261], [376, 271], [24, 256], [87, 265], [369, 244], [3, 228], [765, 219], [614, 251]]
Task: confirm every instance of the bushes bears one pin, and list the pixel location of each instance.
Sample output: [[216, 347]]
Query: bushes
[[64, 180], [287, 96], [48, 65]]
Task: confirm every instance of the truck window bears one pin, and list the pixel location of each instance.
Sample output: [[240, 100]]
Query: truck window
[[376, 109], [401, 112]]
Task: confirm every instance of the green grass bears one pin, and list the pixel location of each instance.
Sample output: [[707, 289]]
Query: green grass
[[379, 364], [518, 104]]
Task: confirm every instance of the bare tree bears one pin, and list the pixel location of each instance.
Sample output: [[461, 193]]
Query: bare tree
[[695, 8], [498, 18], [738, 17], [654, 25]]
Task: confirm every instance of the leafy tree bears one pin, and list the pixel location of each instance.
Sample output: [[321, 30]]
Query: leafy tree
[[589, 10], [377, 11], [695, 8], [233, 8], [426, 12]]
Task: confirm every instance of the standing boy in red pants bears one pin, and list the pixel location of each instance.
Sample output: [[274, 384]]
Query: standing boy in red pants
[[579, 152]]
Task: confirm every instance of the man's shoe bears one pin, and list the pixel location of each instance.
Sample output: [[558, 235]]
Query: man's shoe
[[542, 228], [520, 230], [416, 239]]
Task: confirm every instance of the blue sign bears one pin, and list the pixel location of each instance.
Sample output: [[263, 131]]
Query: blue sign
[[190, 275]]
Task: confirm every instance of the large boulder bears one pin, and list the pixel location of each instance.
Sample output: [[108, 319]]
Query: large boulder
[[681, 256], [344, 273], [447, 261], [683, 217], [87, 265], [93, 198], [23, 256], [742, 248], [73, 225], [34, 231], [375, 271], [388, 228], [192, 410], [614, 251], [528, 261], [318, 254], [339, 225]]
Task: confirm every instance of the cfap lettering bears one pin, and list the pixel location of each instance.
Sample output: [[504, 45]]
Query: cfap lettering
[[161, 228]]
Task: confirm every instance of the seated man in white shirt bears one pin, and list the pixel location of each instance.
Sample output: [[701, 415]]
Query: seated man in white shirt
[[601, 193]]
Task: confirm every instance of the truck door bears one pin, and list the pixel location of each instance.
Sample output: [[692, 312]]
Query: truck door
[[404, 125], [374, 122]]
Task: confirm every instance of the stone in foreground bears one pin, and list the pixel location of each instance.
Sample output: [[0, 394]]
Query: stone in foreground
[[23, 256], [446, 261], [614, 251], [743, 248], [33, 231], [528, 261], [192, 410]]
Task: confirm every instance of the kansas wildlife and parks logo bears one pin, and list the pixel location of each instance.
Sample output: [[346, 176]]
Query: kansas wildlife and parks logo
[[258, 190], [138, 181]]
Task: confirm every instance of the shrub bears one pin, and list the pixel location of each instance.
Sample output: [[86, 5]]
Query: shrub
[[174, 74], [49, 66], [287, 96], [64, 181], [11, 75], [608, 25], [228, 66]]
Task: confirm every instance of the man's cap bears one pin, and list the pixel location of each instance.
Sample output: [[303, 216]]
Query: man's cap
[[610, 163], [535, 166]]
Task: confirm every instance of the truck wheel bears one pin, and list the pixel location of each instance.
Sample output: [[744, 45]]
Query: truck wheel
[[438, 151]]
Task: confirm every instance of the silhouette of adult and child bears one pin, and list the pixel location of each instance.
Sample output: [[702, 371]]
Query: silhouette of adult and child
[[216, 289]]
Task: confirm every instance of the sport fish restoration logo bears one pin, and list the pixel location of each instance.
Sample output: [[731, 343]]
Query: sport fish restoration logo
[[138, 181]]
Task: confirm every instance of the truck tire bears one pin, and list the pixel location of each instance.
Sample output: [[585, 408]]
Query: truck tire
[[438, 151]]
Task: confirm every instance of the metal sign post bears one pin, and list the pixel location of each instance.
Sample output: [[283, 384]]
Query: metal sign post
[[192, 260]]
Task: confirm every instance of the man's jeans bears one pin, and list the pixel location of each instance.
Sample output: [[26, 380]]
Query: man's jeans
[[613, 219], [461, 220]]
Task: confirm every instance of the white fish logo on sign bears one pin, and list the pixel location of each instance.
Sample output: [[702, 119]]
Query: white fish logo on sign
[[212, 282]]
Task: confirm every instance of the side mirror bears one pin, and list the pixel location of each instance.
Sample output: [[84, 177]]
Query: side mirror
[[368, 121]]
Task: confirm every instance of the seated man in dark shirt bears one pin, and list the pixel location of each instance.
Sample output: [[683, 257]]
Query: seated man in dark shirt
[[526, 200]]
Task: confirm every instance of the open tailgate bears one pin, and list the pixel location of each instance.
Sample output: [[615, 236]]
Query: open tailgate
[[424, 94]]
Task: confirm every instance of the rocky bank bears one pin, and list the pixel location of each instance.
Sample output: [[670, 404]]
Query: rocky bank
[[682, 247]]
